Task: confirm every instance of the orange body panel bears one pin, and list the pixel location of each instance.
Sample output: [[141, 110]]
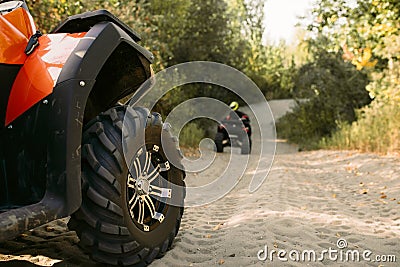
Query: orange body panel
[[16, 28], [40, 72]]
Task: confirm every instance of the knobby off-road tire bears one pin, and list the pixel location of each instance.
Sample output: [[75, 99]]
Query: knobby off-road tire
[[121, 223], [246, 145], [219, 137]]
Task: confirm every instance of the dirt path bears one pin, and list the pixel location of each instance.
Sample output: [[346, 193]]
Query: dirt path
[[309, 201]]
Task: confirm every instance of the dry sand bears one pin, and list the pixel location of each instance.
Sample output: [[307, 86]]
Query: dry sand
[[308, 202]]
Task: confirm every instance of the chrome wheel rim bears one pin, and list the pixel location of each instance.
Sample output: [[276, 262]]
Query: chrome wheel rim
[[147, 189]]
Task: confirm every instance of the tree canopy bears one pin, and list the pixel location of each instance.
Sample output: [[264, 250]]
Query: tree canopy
[[366, 34], [347, 56]]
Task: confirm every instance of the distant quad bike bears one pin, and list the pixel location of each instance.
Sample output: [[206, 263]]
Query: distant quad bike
[[62, 138], [234, 131]]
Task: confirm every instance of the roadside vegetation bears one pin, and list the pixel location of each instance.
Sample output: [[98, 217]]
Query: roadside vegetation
[[343, 69], [369, 35]]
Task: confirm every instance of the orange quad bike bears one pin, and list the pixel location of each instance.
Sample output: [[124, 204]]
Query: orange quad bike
[[69, 148]]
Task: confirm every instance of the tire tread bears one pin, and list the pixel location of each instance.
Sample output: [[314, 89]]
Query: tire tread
[[99, 222]]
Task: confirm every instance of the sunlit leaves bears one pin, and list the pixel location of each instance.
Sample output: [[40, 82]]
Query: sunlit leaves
[[364, 60], [371, 41]]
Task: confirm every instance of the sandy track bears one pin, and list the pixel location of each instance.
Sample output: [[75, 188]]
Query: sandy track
[[309, 201]]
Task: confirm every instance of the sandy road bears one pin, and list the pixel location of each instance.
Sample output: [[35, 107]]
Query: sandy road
[[309, 201]]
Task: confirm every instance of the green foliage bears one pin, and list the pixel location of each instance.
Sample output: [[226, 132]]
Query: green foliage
[[365, 24], [205, 32], [333, 89], [278, 72], [369, 34], [178, 31], [377, 130], [191, 135], [49, 13], [378, 126], [162, 27], [175, 31]]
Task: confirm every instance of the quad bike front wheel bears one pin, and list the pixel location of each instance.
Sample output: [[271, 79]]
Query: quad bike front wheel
[[123, 219]]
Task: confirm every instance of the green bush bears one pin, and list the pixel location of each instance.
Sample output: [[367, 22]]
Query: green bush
[[191, 135], [378, 126], [334, 89], [377, 131]]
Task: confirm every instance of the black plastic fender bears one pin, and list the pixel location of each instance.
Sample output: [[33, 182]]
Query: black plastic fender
[[67, 106], [68, 103]]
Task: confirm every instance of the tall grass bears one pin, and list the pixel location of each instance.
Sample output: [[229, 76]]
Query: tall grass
[[378, 130], [191, 135], [378, 126]]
